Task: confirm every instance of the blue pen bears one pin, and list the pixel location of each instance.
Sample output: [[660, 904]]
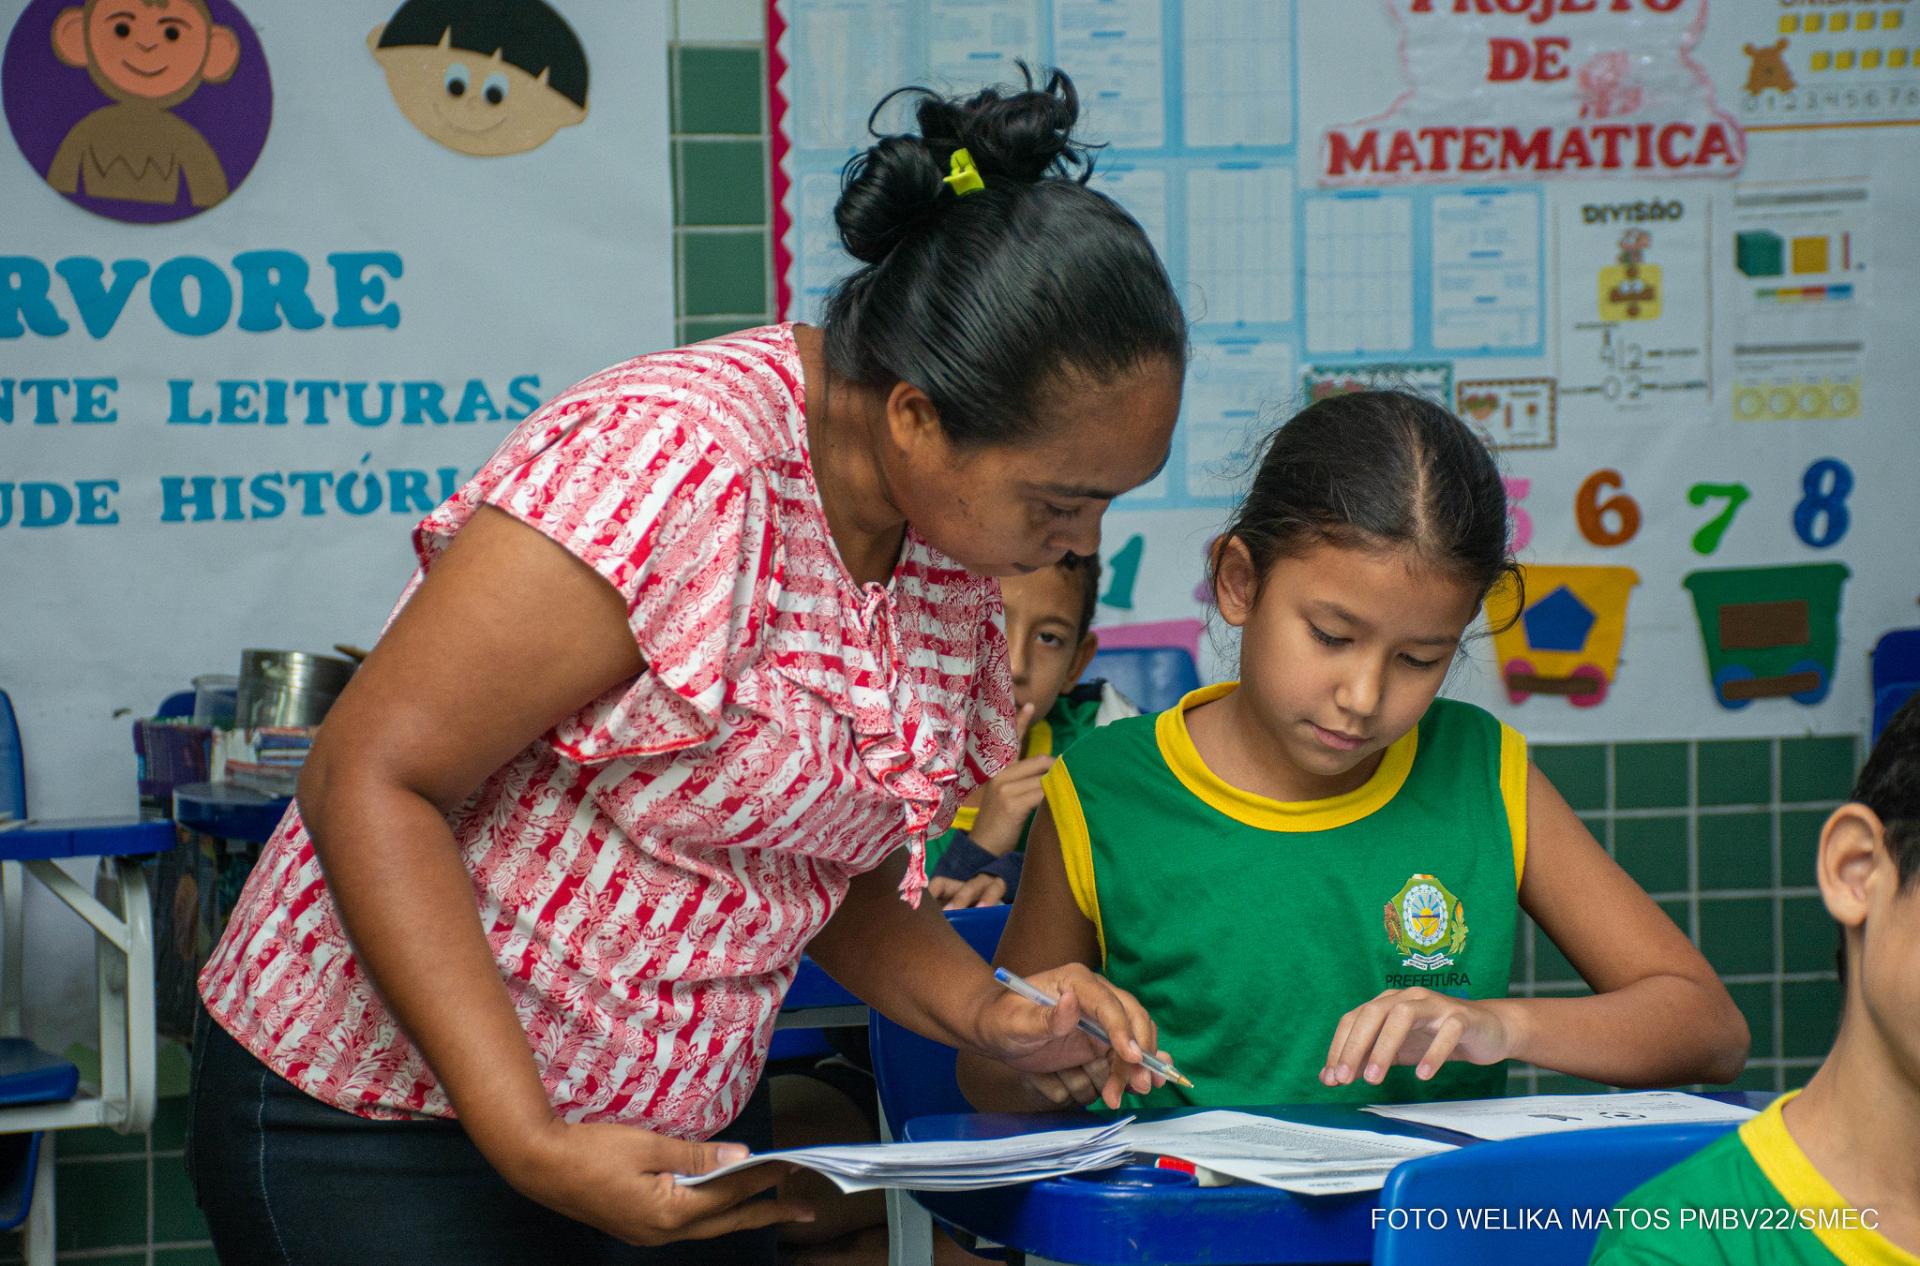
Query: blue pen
[[1089, 1027]]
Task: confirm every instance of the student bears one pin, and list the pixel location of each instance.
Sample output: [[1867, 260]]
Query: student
[[1826, 1174], [1050, 640], [1311, 878]]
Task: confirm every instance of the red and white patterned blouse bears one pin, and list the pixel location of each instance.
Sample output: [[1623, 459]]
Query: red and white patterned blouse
[[649, 871]]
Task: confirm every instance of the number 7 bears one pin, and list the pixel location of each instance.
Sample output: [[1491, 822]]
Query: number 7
[[1707, 539]]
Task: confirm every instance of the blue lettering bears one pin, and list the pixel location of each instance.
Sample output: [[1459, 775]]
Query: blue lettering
[[357, 404], [90, 403], [475, 403], [180, 394], [272, 282], [44, 505], [407, 492], [524, 391], [423, 401], [100, 306], [168, 292], [269, 502], [24, 283], [237, 407], [312, 485], [175, 496], [44, 389], [93, 494], [315, 390], [356, 289]]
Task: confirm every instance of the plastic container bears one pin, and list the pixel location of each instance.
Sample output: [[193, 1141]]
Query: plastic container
[[215, 696]]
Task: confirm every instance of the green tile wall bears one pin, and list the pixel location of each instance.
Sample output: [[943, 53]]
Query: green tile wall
[[1723, 835]]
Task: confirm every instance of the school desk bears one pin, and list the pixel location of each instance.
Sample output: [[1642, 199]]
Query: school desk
[[1137, 1215]]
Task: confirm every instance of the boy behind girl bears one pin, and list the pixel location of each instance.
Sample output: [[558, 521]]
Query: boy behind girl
[[1831, 1173]]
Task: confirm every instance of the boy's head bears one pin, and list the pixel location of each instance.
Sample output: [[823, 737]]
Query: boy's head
[[1869, 872], [1049, 628]]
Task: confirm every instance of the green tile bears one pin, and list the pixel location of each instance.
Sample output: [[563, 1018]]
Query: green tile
[[1812, 1014], [722, 182], [1756, 1004], [1800, 846], [1809, 935], [1653, 851], [1649, 775], [1798, 1075], [718, 90], [1736, 850], [173, 1068], [1752, 1078], [98, 1140], [1681, 916], [101, 1204], [1736, 934], [1597, 828], [693, 331], [1819, 769], [1578, 772], [1739, 772], [202, 1255], [1560, 1084], [723, 272], [1548, 962], [170, 1124], [1517, 971], [176, 1214]]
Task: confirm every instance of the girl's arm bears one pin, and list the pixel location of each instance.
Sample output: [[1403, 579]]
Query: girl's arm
[[1045, 927], [1658, 1015]]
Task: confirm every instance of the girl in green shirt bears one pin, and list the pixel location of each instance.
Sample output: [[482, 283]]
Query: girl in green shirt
[[1311, 878]]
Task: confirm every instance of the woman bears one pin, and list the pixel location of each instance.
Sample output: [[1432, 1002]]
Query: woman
[[695, 654]]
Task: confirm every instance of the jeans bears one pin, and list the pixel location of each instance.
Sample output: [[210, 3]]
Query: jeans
[[284, 1178]]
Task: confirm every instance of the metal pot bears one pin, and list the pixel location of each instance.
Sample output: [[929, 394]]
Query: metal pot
[[287, 688]]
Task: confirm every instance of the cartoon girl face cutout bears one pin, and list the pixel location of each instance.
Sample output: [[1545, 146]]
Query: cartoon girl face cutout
[[483, 77]]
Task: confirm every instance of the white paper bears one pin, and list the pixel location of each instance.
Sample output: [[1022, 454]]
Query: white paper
[[1550, 1114], [1306, 1159]]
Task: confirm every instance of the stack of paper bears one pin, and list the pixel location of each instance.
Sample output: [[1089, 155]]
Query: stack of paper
[[1307, 1159], [1547, 1114], [968, 1165]]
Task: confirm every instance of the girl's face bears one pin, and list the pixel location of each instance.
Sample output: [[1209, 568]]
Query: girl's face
[[1012, 509], [1342, 649]]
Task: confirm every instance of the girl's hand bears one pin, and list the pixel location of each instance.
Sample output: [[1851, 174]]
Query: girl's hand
[[982, 890], [1414, 1026], [1007, 801], [1036, 1039], [619, 1178]]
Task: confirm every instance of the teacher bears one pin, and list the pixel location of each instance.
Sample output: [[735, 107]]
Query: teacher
[[685, 677]]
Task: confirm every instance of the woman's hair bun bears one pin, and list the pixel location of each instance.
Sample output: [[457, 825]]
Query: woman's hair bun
[[1015, 137]]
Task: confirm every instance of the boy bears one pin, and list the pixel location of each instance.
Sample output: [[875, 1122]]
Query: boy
[[1049, 642], [1828, 1173]]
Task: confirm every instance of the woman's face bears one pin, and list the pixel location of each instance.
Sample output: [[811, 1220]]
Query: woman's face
[[1011, 509]]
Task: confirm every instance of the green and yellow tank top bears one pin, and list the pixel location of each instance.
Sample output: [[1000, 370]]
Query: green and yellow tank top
[[1249, 926]]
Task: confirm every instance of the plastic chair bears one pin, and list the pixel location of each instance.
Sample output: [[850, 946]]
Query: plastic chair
[[916, 1077], [13, 765], [1577, 1175], [1154, 677], [1896, 675]]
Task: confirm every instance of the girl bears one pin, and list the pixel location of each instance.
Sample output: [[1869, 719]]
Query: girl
[[1311, 877], [688, 672]]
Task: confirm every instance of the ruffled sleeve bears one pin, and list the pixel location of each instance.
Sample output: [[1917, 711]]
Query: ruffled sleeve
[[648, 501]]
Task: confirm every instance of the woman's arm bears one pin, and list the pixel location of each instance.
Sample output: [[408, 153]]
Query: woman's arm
[[1658, 1015], [1044, 927], [507, 635]]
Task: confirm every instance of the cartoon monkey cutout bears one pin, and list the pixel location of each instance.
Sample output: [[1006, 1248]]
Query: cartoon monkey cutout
[[148, 56], [483, 77], [1768, 68]]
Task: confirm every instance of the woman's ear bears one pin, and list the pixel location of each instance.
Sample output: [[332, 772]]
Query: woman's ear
[[913, 422], [1236, 581]]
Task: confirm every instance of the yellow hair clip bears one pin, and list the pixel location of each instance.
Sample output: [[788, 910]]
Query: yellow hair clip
[[965, 177]]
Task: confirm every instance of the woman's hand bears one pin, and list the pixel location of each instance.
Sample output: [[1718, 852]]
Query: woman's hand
[[1036, 1039], [619, 1178], [1415, 1026], [1068, 1088]]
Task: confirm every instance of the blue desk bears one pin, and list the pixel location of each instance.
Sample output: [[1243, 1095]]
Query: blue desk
[[42, 839], [228, 812], [818, 1001], [1135, 1215]]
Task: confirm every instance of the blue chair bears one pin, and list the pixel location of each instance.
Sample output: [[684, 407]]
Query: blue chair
[[1154, 677], [1896, 675], [13, 764], [916, 1077], [1580, 1173]]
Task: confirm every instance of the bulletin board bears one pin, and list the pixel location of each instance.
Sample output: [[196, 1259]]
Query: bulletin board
[[255, 323], [1660, 253]]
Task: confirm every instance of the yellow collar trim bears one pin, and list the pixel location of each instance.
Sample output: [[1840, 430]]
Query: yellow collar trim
[[1802, 1187], [1177, 749]]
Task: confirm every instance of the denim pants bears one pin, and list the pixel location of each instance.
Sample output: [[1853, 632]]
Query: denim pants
[[284, 1178]]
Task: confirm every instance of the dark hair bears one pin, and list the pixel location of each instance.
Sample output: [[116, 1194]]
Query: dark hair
[[1889, 784], [527, 34], [1084, 568], [1377, 468], [980, 300]]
